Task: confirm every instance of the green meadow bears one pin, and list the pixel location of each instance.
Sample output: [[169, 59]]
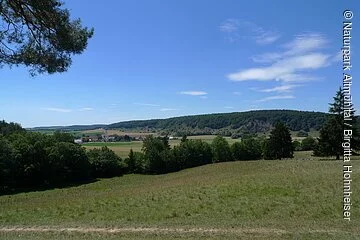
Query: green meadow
[[299, 198]]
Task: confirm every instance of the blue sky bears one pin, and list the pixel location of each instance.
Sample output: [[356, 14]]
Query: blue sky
[[158, 59]]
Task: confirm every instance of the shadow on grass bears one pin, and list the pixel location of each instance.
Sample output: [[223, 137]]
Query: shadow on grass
[[12, 191]]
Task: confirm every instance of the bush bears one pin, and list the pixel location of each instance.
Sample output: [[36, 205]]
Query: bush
[[296, 145], [308, 144]]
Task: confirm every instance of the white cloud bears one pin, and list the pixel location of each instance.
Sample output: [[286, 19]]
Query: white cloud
[[86, 109], [280, 89], [288, 69], [62, 110], [228, 107], [305, 43], [167, 109], [147, 104], [204, 97], [194, 93], [302, 44], [237, 93], [278, 97]]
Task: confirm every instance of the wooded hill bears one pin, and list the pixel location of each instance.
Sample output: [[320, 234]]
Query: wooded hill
[[236, 123]]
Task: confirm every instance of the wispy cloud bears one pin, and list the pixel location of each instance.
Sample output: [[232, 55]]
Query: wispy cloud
[[299, 57], [278, 97], [237, 93], [147, 104], [228, 107], [279, 89], [230, 25], [86, 109], [67, 110], [194, 93], [265, 37], [62, 110], [167, 109], [306, 43], [235, 29], [301, 44]]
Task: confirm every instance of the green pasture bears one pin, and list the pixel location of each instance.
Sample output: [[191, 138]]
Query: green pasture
[[301, 198]]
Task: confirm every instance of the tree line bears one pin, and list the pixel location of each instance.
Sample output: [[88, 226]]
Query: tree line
[[33, 160], [158, 157]]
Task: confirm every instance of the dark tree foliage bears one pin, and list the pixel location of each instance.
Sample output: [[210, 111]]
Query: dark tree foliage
[[67, 163], [192, 153], [30, 160], [280, 144], [131, 162], [8, 128], [247, 149], [331, 134], [221, 150], [153, 148], [63, 137], [136, 162], [330, 140], [36, 160], [237, 124], [105, 163], [308, 144], [40, 35], [296, 145]]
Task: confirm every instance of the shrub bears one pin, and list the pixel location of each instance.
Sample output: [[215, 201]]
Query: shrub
[[308, 144]]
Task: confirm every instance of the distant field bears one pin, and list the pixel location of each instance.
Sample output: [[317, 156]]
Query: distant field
[[277, 199], [123, 148]]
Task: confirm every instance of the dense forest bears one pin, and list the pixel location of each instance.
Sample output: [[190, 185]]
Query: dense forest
[[226, 124]]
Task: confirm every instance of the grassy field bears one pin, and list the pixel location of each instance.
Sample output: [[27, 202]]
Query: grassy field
[[123, 148], [288, 199]]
